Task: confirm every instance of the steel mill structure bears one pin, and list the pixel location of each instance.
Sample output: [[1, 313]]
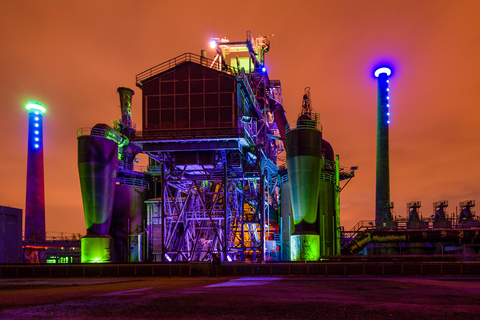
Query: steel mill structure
[[230, 179], [214, 188]]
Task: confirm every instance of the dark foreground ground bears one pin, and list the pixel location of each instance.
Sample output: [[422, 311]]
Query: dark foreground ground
[[240, 298]]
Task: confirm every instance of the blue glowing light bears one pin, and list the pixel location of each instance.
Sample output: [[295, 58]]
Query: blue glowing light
[[388, 121], [388, 81], [264, 69], [388, 89], [36, 124], [36, 146], [36, 132], [37, 139], [388, 113], [388, 105], [37, 118], [381, 70], [388, 97]]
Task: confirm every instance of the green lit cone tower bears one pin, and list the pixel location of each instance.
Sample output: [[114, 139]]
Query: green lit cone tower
[[97, 167], [304, 161]]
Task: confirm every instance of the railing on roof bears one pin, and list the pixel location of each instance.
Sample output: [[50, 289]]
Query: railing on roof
[[131, 167], [304, 124], [202, 134], [133, 182], [57, 236], [186, 57]]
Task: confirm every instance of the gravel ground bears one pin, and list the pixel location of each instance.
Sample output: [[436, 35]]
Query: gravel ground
[[241, 298]]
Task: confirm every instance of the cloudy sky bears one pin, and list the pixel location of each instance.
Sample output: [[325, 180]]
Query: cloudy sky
[[72, 55]]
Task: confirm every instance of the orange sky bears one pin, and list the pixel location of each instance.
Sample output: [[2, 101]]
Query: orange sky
[[72, 55]]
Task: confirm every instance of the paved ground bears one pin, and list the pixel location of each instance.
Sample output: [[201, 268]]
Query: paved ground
[[241, 298]]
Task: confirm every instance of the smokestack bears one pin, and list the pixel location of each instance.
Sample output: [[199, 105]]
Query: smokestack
[[383, 213], [35, 198], [126, 95]]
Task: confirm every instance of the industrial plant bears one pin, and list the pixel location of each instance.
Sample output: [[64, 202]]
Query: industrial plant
[[228, 177]]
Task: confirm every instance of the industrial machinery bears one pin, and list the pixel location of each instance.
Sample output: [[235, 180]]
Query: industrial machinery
[[212, 131], [313, 184]]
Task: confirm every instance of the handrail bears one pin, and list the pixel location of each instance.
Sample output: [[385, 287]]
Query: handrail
[[186, 57], [217, 133], [308, 124], [133, 182], [327, 177], [131, 167], [111, 134]]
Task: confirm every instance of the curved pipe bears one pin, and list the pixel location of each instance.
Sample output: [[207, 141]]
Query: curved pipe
[[279, 115], [404, 236]]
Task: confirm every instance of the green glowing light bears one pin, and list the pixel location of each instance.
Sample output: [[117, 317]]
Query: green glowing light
[[304, 247], [96, 250], [33, 105]]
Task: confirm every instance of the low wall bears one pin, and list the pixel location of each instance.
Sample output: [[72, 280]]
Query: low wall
[[327, 269]]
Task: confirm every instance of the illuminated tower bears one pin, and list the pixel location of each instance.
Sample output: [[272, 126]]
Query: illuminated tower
[[383, 213], [304, 162], [35, 198]]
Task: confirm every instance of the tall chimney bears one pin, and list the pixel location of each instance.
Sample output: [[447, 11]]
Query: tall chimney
[[35, 198], [383, 213]]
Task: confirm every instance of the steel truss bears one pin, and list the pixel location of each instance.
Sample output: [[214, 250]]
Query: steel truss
[[215, 210]]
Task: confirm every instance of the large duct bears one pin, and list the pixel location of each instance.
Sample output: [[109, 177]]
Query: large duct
[[327, 213], [126, 105], [279, 116], [286, 215], [97, 167], [127, 226]]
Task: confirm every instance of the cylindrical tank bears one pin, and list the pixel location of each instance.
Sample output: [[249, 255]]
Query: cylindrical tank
[[304, 160], [286, 217], [327, 217], [326, 203], [128, 221], [97, 167]]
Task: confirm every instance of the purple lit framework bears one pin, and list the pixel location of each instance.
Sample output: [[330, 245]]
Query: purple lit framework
[[209, 210], [213, 157]]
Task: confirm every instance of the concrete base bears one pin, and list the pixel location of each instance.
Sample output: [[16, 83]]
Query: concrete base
[[96, 249], [304, 247]]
